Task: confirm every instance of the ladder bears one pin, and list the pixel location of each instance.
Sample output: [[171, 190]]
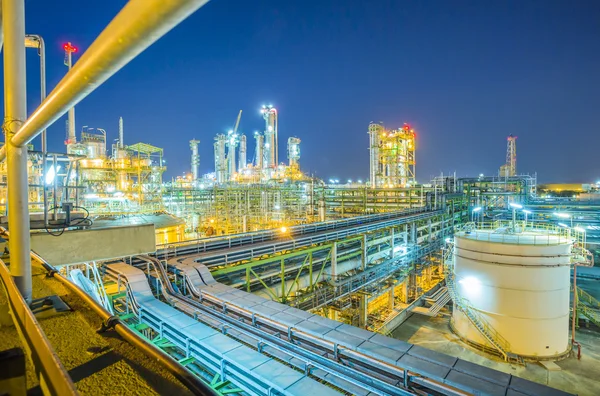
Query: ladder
[[485, 328]]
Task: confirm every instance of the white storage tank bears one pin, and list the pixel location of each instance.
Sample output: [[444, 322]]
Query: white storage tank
[[519, 284]]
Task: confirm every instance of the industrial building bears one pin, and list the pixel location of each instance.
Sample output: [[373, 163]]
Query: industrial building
[[257, 279]]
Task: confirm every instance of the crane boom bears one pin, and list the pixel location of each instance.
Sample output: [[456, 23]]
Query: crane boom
[[237, 122]]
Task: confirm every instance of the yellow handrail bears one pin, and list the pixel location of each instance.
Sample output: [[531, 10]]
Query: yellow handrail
[[49, 369]]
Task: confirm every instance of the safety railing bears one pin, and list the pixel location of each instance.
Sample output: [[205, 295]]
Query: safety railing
[[585, 297], [263, 235], [590, 313], [503, 231], [53, 378]]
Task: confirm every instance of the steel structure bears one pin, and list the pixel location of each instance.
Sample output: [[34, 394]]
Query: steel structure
[[509, 169], [392, 156], [350, 359], [293, 150], [249, 207]]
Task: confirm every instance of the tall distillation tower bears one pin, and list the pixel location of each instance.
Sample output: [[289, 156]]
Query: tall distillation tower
[[195, 158], [220, 160], [270, 149], [259, 161], [232, 142], [243, 148]]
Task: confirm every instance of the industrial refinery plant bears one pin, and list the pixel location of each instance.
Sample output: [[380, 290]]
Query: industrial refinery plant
[[257, 278]]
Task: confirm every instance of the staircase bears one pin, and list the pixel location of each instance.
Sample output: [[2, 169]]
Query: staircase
[[439, 299], [462, 304], [588, 306]]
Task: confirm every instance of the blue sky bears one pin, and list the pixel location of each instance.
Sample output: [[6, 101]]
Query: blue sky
[[464, 74]]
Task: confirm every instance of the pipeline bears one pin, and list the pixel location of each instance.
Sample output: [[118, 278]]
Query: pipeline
[[193, 383]]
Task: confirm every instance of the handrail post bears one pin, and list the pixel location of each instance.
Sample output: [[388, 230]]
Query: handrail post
[[15, 102]]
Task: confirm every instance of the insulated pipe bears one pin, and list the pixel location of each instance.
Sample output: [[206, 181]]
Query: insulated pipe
[[15, 105], [36, 41], [192, 382], [139, 24]]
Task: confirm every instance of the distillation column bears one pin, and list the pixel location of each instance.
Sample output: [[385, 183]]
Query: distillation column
[[258, 152], [293, 152], [231, 146], [242, 161], [195, 158], [220, 164], [270, 152], [121, 143], [374, 131]]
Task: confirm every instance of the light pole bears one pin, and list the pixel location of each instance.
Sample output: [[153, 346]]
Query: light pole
[[475, 210], [71, 139], [564, 216], [514, 207], [527, 212]]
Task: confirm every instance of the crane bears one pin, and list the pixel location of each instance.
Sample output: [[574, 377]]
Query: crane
[[237, 122]]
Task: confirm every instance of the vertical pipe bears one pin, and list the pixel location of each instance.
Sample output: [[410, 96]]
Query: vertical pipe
[[15, 110], [242, 160], [71, 139], [55, 187], [121, 132], [42, 49]]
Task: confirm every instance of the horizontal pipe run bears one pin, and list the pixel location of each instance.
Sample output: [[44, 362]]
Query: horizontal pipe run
[[193, 383], [139, 24]]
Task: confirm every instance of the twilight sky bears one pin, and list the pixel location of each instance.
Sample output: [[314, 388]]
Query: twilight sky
[[464, 74]]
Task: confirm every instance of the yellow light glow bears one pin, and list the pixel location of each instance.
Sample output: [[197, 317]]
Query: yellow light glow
[[283, 230]]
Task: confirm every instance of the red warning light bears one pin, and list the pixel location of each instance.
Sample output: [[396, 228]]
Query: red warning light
[[406, 127], [69, 48]]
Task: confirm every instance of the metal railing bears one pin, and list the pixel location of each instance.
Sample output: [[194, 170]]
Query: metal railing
[[502, 231], [293, 231], [53, 378]]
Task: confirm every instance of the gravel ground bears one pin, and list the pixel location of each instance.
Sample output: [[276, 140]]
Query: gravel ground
[[99, 364]]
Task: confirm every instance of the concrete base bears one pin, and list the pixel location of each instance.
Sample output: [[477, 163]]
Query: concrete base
[[576, 376], [80, 246]]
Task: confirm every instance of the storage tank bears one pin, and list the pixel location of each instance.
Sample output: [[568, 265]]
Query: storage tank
[[517, 284]]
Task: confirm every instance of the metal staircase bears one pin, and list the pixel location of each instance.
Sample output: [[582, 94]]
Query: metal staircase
[[462, 304], [588, 306], [438, 300]]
